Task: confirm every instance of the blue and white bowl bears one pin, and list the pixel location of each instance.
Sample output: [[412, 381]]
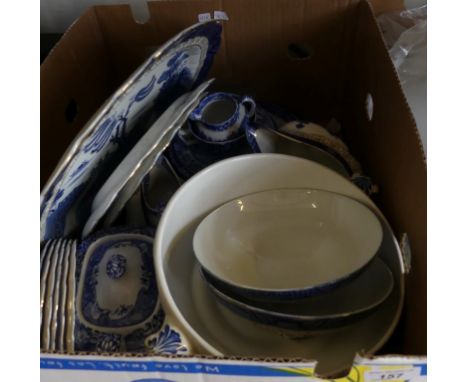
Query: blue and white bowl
[[343, 306], [287, 244]]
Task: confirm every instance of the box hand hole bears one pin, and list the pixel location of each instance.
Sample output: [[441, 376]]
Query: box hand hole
[[71, 111], [299, 51]]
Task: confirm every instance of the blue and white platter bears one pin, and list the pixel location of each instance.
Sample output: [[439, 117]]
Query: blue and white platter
[[178, 66]]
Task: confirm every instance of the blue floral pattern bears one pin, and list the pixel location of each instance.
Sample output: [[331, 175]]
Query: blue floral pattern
[[167, 341], [122, 125], [116, 266], [124, 314], [91, 338]]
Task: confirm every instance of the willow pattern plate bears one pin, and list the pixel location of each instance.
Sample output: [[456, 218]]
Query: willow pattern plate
[[178, 66]]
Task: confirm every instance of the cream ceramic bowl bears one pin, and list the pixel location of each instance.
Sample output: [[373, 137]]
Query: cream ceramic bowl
[[208, 328], [287, 243]]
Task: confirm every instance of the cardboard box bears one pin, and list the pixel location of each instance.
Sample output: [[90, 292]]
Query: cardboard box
[[317, 58]]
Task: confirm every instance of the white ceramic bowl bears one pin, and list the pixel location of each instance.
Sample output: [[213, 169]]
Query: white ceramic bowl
[[285, 244], [210, 329]]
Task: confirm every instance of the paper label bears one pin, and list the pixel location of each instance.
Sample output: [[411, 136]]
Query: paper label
[[78, 368], [204, 17], [220, 15], [392, 374]]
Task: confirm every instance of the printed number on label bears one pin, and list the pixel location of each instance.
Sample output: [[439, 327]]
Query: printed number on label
[[391, 375]]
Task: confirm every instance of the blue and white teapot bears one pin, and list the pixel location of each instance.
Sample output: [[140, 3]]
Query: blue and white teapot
[[222, 117]]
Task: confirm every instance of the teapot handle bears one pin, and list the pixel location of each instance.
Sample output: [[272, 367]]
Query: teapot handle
[[249, 105]]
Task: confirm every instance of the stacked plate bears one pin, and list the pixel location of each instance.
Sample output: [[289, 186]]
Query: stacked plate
[[58, 262]]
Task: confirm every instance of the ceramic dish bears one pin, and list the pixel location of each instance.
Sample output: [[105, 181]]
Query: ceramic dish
[[125, 179], [117, 303], [62, 304], [222, 117], [334, 309], [54, 326], [210, 328], [266, 140], [49, 296], [46, 255], [189, 153], [287, 243], [319, 137], [70, 306], [176, 67]]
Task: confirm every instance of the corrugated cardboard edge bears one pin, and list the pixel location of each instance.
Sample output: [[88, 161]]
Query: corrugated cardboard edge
[[414, 125], [361, 363]]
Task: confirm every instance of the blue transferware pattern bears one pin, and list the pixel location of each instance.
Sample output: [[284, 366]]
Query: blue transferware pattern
[[116, 266], [306, 320], [222, 117], [283, 295], [177, 67], [122, 326], [167, 342], [133, 311], [188, 154]]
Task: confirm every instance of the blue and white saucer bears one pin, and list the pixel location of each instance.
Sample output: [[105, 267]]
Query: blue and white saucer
[[189, 154]]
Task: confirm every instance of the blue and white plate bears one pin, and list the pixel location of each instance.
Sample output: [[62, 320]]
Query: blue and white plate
[[57, 261], [50, 267], [178, 66], [117, 303], [55, 295], [70, 302]]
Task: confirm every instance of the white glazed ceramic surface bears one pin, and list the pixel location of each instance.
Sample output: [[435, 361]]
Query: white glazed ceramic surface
[[70, 307], [287, 240], [316, 134], [124, 181], [212, 329], [275, 141]]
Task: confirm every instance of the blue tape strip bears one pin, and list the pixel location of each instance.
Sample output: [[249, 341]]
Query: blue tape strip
[[167, 367]]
